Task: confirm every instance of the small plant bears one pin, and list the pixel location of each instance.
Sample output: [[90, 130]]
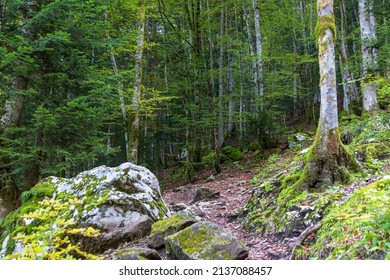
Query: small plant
[[232, 153], [47, 236]]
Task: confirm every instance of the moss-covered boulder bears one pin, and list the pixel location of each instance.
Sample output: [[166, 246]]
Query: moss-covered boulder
[[205, 241], [121, 202], [138, 254], [169, 226]]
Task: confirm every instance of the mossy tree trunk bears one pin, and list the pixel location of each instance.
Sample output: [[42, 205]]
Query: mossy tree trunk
[[327, 160], [134, 117]]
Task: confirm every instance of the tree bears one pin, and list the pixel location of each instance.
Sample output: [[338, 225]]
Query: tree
[[135, 110], [369, 54], [327, 159]]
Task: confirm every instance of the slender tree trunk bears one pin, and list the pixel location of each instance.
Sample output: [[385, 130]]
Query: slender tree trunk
[[349, 86], [135, 104], [120, 88], [369, 53], [253, 69], [259, 51], [221, 83], [217, 151]]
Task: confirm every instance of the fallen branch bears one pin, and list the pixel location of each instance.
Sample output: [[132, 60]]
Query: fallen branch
[[299, 240]]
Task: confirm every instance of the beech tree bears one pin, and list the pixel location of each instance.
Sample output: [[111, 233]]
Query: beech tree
[[327, 160]]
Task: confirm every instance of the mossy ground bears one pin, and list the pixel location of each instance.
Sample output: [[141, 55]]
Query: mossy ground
[[356, 229], [271, 201]]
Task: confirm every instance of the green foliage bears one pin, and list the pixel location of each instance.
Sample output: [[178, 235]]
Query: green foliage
[[232, 153], [46, 235], [40, 191], [384, 94]]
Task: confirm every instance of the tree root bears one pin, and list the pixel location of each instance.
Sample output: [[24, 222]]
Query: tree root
[[295, 242]]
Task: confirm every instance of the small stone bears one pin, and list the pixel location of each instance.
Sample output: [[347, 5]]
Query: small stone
[[182, 188], [176, 207], [205, 193]]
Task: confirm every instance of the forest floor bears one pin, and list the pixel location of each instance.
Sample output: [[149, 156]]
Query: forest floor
[[235, 189]]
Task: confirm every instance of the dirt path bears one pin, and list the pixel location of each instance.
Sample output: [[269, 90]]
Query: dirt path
[[235, 192]]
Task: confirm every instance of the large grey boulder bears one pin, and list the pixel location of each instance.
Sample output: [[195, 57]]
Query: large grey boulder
[[121, 202], [205, 241]]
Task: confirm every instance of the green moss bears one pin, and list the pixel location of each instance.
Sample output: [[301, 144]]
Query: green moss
[[359, 228], [191, 244], [41, 190], [175, 221], [324, 23]]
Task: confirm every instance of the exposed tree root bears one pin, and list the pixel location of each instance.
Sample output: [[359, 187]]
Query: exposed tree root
[[295, 242]]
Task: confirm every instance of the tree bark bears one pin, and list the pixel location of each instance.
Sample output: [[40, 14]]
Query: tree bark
[[135, 104], [369, 53]]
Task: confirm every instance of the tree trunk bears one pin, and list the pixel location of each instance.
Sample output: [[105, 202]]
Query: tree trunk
[[368, 35], [253, 68], [217, 151], [349, 86], [221, 83], [326, 163], [135, 110], [259, 51]]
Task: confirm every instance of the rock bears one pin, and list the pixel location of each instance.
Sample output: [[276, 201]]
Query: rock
[[274, 254], [304, 151], [210, 178], [182, 188], [169, 226], [347, 137], [296, 220], [205, 193], [176, 207], [205, 241], [137, 254], [122, 203], [296, 140]]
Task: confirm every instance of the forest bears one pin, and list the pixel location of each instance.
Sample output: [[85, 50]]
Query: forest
[[286, 102]]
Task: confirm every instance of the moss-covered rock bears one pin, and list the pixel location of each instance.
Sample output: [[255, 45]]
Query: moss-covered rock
[[298, 140], [169, 226], [137, 254], [205, 241], [121, 202]]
